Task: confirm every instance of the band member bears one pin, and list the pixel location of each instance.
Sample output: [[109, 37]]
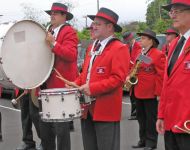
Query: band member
[[90, 28], [29, 115], [147, 89], [105, 68], [174, 110], [171, 33], [135, 49], [62, 39]]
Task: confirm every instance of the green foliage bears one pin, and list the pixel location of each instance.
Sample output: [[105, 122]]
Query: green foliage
[[84, 34], [161, 25], [155, 14]]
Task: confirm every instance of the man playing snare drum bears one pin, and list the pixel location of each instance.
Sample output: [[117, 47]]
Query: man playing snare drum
[[62, 39], [104, 71]]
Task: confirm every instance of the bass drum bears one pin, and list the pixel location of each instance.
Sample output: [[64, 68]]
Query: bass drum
[[25, 59]]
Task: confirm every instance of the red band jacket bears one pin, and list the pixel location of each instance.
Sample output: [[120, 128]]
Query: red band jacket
[[108, 74], [66, 53], [174, 106], [150, 76]]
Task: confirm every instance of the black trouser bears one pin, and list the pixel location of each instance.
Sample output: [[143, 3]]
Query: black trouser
[[50, 130], [147, 116], [176, 141], [98, 135], [133, 104], [29, 114]]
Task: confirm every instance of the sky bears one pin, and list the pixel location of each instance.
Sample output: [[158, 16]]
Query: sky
[[128, 10]]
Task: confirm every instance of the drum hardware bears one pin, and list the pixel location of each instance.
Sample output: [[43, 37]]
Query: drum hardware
[[47, 99], [76, 97], [63, 113], [78, 112], [48, 115], [71, 115], [62, 97]]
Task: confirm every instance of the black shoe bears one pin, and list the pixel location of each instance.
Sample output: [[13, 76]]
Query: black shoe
[[149, 148], [1, 137], [140, 144], [26, 147], [39, 147], [132, 118]]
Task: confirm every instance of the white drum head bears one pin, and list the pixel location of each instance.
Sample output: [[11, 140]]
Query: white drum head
[[26, 59]]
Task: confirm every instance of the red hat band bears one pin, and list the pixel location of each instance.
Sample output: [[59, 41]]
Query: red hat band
[[185, 2], [129, 37], [103, 15], [57, 8]]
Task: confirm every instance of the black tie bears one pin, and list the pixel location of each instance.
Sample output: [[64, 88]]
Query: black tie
[[97, 47], [176, 54]]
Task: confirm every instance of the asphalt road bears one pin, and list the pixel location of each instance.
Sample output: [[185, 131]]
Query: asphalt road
[[12, 134]]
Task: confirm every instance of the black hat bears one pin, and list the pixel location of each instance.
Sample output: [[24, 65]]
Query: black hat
[[177, 2], [108, 15], [128, 35], [60, 7], [151, 34]]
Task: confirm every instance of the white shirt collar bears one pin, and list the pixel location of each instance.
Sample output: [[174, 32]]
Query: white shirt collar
[[56, 30], [103, 44], [187, 34]]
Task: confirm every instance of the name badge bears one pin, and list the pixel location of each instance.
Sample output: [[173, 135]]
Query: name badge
[[100, 70], [187, 65]]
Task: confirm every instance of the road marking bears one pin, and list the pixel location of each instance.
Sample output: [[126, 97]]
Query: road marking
[[9, 108], [126, 103]]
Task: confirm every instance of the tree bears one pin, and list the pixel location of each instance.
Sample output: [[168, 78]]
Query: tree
[[157, 19], [155, 12]]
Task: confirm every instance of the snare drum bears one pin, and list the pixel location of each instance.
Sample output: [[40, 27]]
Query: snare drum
[[59, 105], [25, 59]]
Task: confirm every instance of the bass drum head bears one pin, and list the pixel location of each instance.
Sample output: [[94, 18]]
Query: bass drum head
[[26, 59]]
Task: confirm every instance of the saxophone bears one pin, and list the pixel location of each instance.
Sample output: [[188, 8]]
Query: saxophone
[[132, 80]]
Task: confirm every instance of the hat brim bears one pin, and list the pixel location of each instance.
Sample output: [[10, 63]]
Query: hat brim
[[69, 16], [171, 33], [152, 37], [116, 26], [169, 6]]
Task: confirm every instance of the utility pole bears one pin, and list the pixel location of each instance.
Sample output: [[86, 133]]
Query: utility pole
[[85, 21], [97, 5]]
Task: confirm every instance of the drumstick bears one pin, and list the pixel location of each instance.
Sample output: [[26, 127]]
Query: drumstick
[[15, 101], [65, 80]]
